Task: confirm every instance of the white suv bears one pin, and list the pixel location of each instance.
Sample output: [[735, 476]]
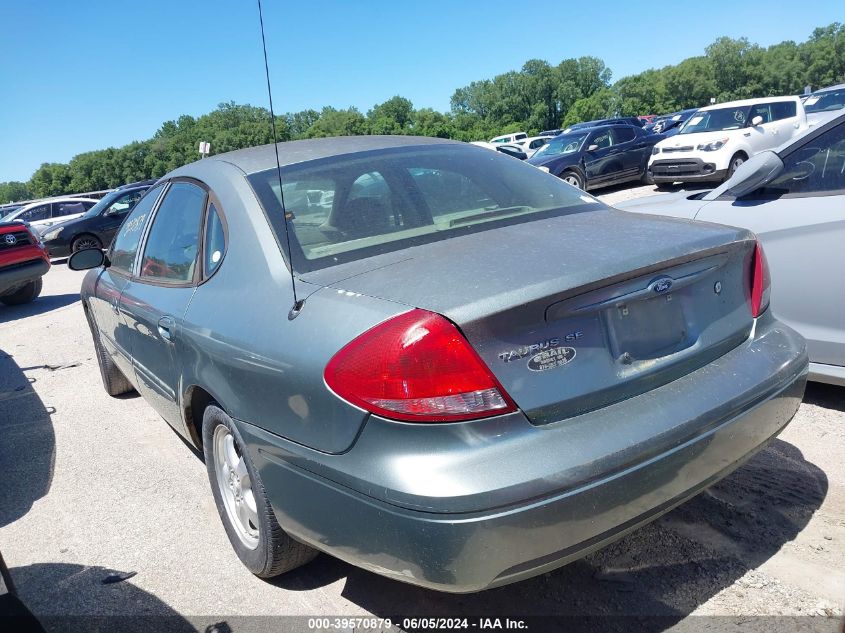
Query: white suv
[[719, 138], [509, 138]]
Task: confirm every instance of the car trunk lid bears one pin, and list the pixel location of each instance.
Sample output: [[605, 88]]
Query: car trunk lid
[[576, 312]]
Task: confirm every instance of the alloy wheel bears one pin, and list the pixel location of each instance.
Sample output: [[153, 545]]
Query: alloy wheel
[[235, 486]]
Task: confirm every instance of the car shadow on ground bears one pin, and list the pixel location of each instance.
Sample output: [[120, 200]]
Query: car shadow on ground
[[658, 574], [40, 306], [78, 600], [27, 443], [826, 396]]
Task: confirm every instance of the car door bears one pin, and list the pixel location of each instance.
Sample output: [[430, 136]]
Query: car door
[[631, 151], [112, 217], [105, 303], [800, 219], [767, 134], [154, 302], [598, 161], [786, 119]]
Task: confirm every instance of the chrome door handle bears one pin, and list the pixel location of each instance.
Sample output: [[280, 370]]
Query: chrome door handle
[[165, 327]]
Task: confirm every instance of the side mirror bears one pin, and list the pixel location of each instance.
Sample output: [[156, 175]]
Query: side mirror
[[592, 148], [757, 120], [757, 171], [89, 258]]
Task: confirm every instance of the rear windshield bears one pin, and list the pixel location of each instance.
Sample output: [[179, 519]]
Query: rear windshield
[[354, 206], [827, 101]]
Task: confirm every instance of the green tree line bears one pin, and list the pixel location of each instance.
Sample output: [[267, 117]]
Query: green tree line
[[539, 96]]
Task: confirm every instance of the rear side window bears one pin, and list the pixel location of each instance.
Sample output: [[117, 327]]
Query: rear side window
[[34, 214], [215, 241], [125, 245], [170, 254], [623, 135], [69, 208], [783, 110]]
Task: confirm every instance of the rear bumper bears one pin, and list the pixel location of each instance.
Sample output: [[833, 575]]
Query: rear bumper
[[489, 511], [685, 170], [16, 275]]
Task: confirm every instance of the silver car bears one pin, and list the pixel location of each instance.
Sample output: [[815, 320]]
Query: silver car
[[434, 361], [794, 200]]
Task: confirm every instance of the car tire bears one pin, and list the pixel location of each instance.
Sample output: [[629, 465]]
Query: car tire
[[736, 160], [83, 242], [27, 293], [114, 381], [573, 178], [647, 178], [250, 523]]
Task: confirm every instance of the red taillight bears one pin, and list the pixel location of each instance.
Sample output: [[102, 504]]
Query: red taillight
[[416, 367], [760, 281]]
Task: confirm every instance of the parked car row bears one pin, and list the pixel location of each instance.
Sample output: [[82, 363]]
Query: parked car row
[[793, 198], [698, 144]]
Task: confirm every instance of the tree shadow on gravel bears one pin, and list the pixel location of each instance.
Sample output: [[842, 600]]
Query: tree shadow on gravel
[[826, 396], [647, 581], [27, 443], [41, 305], [72, 598]]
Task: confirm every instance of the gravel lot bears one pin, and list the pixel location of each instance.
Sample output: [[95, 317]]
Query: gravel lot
[[94, 485]]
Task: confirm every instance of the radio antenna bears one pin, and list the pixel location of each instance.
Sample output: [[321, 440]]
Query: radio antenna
[[297, 304]]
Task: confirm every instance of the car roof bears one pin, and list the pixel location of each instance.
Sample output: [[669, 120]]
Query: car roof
[[36, 203], [745, 102], [263, 157], [140, 183], [836, 87]]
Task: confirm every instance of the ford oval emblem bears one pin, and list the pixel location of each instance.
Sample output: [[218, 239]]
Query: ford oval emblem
[[11, 240], [662, 285]]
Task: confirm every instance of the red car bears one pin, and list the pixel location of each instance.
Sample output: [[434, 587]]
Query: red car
[[23, 262]]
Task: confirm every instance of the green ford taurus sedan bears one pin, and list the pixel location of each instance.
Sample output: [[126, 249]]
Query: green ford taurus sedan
[[432, 360]]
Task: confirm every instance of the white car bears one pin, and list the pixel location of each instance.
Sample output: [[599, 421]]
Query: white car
[[509, 138], [45, 213], [719, 138], [531, 144]]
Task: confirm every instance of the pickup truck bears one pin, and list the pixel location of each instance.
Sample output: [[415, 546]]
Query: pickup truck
[[23, 262], [717, 139]]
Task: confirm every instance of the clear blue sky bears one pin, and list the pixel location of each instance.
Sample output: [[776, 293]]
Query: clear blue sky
[[85, 75]]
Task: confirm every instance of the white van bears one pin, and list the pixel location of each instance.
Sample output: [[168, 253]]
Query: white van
[[45, 213], [509, 138], [719, 138]]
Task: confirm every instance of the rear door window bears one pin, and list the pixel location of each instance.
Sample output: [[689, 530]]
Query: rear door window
[[623, 135], [172, 246], [783, 110]]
